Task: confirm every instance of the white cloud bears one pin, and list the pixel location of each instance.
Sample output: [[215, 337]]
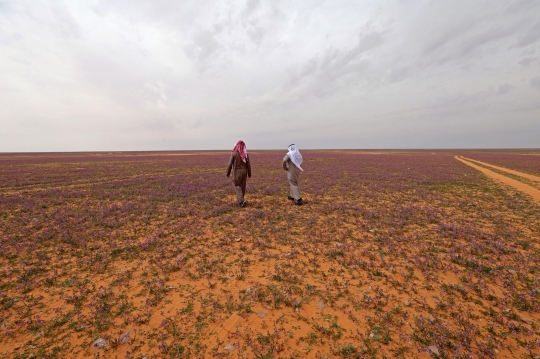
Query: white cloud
[[119, 74]]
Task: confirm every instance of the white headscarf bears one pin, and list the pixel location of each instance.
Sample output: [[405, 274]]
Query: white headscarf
[[295, 156]]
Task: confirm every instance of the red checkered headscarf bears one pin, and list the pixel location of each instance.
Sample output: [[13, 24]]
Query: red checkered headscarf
[[240, 147]]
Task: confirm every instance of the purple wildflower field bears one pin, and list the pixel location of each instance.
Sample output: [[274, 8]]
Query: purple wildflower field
[[528, 162], [143, 255]]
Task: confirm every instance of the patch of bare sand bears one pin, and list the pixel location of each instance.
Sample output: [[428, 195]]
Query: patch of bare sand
[[531, 191]]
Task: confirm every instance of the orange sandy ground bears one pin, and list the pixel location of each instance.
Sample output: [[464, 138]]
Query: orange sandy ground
[[320, 281]]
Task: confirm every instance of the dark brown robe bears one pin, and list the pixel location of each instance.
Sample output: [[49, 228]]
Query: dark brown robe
[[241, 171]]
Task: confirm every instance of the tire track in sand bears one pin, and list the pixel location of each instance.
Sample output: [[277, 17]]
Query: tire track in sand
[[533, 192], [507, 170]]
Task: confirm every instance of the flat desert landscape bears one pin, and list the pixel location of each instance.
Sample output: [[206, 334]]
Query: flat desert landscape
[[394, 254]]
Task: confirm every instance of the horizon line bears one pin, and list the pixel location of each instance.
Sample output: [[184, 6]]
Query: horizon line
[[279, 149]]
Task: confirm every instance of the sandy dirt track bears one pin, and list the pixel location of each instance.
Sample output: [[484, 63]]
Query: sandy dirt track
[[533, 192], [513, 172]]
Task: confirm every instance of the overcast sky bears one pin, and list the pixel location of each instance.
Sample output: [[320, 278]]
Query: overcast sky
[[165, 74]]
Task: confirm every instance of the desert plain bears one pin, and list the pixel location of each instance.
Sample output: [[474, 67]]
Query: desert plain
[[395, 254]]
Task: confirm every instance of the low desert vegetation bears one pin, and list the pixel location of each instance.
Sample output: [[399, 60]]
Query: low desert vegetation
[[144, 255]]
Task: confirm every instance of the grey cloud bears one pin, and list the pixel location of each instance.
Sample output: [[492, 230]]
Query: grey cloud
[[326, 71], [485, 26], [531, 36], [367, 41], [257, 17], [450, 35], [11, 39], [456, 46], [204, 45], [483, 38], [160, 124], [535, 82], [65, 23], [504, 88], [306, 70], [399, 74], [251, 6], [464, 99], [256, 34], [231, 28], [521, 6], [169, 13], [527, 60]]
